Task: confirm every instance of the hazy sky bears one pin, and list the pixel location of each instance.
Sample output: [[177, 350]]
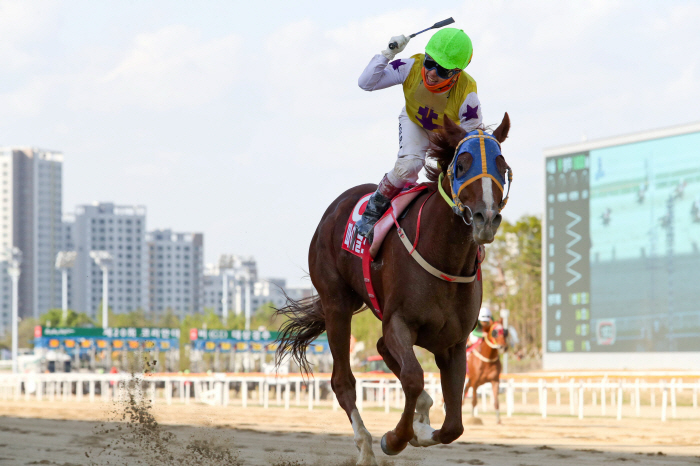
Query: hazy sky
[[243, 120]]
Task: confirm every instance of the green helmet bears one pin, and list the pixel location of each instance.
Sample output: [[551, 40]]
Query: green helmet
[[451, 48]]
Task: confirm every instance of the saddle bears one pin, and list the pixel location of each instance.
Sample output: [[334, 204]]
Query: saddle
[[383, 225]]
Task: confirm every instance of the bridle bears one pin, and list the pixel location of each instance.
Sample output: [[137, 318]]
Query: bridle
[[458, 207], [491, 343]]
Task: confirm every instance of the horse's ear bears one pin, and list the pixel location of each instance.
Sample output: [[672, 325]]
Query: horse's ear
[[501, 133], [452, 131]]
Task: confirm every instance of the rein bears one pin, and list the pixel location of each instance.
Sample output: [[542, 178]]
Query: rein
[[413, 252]]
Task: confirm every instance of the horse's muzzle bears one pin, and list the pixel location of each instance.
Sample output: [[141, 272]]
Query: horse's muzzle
[[486, 224]]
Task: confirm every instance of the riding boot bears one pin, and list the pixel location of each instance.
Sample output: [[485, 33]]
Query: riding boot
[[377, 205]]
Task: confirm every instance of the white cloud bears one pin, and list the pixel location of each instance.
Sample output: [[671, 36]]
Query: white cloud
[[173, 67]]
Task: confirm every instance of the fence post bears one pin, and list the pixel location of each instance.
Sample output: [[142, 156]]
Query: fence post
[[544, 400], [619, 401], [265, 387], [168, 392], [602, 396], [297, 397], [664, 400], [673, 398], [540, 395], [571, 397], [524, 392], [244, 393], [637, 399], [287, 386], [510, 398], [310, 388], [580, 400], [39, 389], [358, 394]]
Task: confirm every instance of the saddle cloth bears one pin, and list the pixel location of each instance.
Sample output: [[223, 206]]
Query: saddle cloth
[[382, 227]]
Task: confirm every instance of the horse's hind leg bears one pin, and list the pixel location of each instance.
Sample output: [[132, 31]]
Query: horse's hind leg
[[338, 309], [425, 402], [399, 340]]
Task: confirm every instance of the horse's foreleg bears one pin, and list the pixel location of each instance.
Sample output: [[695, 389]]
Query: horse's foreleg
[[453, 371], [425, 402], [338, 325], [494, 386], [475, 399], [399, 340]]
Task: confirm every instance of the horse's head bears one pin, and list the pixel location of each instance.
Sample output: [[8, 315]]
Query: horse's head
[[497, 336], [473, 172]]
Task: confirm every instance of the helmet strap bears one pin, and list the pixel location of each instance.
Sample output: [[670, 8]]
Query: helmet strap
[[441, 86]]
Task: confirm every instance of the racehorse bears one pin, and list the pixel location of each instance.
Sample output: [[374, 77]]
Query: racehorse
[[417, 308], [484, 363]]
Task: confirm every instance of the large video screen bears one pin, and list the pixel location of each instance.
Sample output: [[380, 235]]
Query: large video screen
[[622, 248]]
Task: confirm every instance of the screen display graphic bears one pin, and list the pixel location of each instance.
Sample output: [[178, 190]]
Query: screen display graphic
[[623, 248]]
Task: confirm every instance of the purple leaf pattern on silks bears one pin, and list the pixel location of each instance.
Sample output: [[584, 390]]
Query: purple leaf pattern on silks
[[427, 115], [472, 112]]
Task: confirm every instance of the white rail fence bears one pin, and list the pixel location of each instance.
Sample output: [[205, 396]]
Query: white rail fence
[[574, 397]]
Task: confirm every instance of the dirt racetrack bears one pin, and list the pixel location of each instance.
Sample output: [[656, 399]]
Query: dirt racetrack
[[69, 433]]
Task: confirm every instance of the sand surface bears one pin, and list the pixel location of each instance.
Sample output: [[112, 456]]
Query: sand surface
[[71, 433]]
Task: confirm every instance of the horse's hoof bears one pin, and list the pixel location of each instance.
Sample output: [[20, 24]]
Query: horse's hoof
[[386, 449]]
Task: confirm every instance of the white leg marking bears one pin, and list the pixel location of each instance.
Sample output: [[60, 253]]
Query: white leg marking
[[486, 188], [423, 435], [363, 440], [421, 416], [498, 417], [423, 406]]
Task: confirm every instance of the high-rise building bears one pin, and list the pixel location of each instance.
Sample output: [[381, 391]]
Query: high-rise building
[[176, 272], [121, 231], [30, 208]]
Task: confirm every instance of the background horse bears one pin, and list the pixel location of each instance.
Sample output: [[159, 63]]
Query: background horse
[[418, 308], [484, 364]]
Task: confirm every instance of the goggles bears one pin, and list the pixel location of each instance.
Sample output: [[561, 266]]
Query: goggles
[[430, 64]]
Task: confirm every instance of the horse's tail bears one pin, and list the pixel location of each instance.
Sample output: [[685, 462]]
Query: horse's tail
[[305, 322]]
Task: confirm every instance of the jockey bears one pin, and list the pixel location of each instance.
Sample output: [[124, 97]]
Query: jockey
[[434, 85], [485, 320]]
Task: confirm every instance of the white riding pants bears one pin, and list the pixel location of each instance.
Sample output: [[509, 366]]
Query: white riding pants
[[413, 143]]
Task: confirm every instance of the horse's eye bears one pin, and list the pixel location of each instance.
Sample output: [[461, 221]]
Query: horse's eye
[[459, 167]]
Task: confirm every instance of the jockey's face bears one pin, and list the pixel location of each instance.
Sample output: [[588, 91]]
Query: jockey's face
[[432, 77]]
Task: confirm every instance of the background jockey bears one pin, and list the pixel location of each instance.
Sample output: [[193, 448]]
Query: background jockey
[[434, 85], [485, 321]]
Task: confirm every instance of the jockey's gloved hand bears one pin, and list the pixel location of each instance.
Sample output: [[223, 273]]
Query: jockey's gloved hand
[[400, 43]]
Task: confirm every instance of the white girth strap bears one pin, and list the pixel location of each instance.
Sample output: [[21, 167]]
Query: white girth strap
[[429, 268]]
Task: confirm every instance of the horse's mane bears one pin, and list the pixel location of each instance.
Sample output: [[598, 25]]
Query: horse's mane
[[442, 147]]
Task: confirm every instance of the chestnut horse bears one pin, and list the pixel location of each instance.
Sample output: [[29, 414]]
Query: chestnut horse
[[418, 308], [484, 363]]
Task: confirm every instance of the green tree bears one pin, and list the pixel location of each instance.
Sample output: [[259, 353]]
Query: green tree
[[25, 334], [512, 279], [54, 318], [168, 320]]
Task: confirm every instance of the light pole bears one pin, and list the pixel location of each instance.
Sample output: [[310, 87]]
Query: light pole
[[103, 259], [65, 260], [14, 259]]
